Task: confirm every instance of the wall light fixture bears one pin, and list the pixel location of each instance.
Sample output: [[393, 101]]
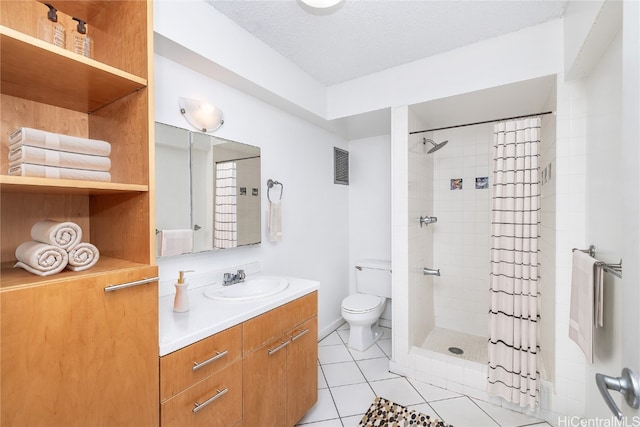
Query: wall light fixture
[[200, 114]]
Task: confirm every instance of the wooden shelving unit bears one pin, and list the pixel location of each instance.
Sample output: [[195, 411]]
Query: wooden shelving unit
[[87, 356]]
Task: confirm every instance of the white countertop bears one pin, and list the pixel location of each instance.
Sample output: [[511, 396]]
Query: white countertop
[[207, 317]]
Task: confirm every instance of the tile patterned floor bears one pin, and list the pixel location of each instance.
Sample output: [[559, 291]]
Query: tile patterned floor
[[349, 380]]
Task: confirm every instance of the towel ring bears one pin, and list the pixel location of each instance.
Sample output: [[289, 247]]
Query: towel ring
[[270, 184]]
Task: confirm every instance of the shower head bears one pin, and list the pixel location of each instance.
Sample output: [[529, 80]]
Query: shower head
[[435, 147]]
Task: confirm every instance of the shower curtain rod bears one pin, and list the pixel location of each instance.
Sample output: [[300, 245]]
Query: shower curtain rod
[[482, 123]]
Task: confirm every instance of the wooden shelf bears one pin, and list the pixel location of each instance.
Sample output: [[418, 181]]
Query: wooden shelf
[[72, 81], [17, 278], [65, 186]]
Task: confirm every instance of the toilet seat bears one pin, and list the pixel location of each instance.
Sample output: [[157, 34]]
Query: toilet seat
[[361, 303]]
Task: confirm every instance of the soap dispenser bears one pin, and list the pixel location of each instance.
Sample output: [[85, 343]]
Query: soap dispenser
[[181, 300], [81, 42], [50, 30]]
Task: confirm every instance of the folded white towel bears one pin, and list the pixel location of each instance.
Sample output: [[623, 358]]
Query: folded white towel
[[40, 258], [176, 242], [57, 141], [39, 171], [581, 311], [275, 221], [83, 256], [46, 157], [65, 235]]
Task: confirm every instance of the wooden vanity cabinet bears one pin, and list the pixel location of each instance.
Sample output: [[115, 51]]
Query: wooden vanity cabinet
[[302, 370], [210, 371], [280, 364]]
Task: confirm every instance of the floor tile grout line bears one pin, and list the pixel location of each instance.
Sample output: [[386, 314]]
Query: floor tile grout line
[[486, 413]]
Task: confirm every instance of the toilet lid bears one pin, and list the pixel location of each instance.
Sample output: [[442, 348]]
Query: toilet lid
[[360, 303]]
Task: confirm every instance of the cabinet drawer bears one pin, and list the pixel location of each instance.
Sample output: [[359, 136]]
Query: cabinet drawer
[[261, 329], [224, 410], [191, 364]]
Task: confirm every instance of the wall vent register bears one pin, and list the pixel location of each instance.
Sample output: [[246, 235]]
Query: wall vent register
[[340, 166]]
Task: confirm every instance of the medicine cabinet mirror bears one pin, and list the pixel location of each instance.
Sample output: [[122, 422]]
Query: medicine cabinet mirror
[[207, 192]]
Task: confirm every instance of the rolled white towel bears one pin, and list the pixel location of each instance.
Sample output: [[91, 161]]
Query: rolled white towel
[[57, 141], [40, 258], [40, 171], [83, 256], [65, 235], [46, 157]]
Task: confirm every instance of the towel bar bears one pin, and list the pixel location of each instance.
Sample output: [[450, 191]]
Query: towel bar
[[270, 184], [615, 269]]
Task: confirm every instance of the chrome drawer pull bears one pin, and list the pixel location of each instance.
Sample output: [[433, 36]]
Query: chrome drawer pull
[[218, 395], [295, 337], [112, 288], [278, 348], [218, 355]]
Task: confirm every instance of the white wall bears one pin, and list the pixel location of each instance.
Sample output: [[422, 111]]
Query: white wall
[[369, 204], [605, 194], [479, 66], [300, 155]]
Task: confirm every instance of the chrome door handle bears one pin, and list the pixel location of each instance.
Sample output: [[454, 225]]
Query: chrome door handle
[[627, 384], [112, 288], [300, 334], [219, 393], [282, 345], [218, 355]]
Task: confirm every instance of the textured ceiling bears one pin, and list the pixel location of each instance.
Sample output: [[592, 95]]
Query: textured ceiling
[[361, 37]]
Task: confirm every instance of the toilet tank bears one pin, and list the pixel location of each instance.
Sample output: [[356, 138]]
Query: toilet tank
[[373, 277]]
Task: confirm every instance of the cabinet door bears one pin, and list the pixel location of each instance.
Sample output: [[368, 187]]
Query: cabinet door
[[264, 385], [75, 355], [302, 370]]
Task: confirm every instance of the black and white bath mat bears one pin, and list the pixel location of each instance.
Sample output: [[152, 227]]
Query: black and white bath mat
[[383, 413]]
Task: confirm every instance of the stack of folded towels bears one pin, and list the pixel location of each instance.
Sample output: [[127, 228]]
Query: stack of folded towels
[[56, 246], [37, 153]]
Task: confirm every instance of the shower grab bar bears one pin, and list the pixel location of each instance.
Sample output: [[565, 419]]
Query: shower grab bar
[[615, 269]]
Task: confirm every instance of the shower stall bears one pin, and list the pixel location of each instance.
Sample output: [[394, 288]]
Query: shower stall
[[441, 321]]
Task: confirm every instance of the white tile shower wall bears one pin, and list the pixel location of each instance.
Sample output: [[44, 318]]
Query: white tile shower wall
[[569, 398], [400, 234], [461, 237], [420, 239]]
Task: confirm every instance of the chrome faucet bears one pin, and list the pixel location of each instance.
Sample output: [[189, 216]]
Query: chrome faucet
[[232, 279]]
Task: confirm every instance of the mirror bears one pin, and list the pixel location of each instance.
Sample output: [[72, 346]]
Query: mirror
[[207, 192]]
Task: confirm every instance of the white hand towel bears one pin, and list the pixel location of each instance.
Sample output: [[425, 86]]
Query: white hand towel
[[581, 311], [46, 157], [275, 221], [40, 258], [176, 242], [57, 141], [83, 256], [40, 171], [65, 235]]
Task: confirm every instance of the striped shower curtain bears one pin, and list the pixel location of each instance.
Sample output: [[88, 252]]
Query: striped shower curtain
[[513, 314], [226, 207]]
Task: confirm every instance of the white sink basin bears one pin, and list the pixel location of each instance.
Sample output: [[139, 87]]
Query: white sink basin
[[253, 288]]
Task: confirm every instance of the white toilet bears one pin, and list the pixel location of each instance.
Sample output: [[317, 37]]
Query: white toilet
[[363, 309]]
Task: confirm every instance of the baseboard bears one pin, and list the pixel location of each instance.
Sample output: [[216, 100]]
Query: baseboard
[[332, 327], [385, 323]]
